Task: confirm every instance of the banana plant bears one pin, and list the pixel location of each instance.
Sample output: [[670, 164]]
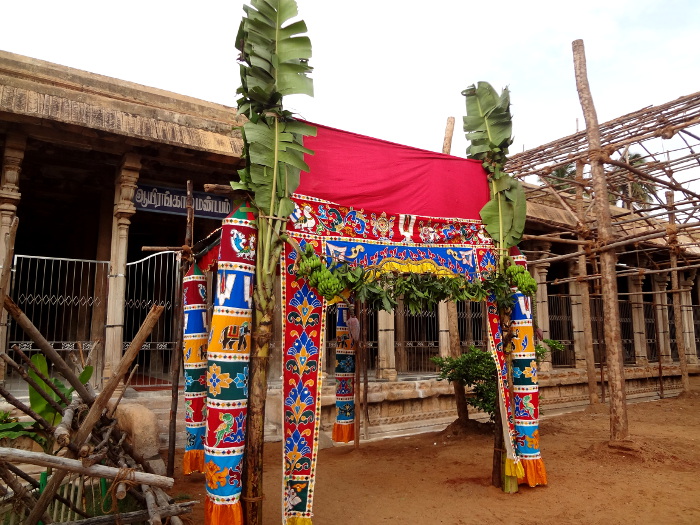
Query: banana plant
[[274, 55], [488, 127]]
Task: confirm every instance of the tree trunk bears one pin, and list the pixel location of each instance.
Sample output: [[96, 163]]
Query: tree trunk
[[255, 424], [619, 429]]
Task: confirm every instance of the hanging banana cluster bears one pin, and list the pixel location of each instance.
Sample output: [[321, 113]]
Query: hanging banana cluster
[[521, 279], [317, 273]]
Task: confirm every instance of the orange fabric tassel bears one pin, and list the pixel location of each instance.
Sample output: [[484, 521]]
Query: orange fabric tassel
[[343, 433], [535, 473], [193, 461], [217, 514]]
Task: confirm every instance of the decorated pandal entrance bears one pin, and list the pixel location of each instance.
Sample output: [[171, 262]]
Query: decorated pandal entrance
[[380, 241]]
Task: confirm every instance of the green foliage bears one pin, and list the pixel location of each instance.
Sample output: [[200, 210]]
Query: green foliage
[[550, 345], [419, 291], [11, 428], [475, 369], [40, 405], [488, 123], [382, 291], [274, 62], [489, 127], [274, 56]]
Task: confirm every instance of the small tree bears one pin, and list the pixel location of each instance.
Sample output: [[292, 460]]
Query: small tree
[[474, 369]]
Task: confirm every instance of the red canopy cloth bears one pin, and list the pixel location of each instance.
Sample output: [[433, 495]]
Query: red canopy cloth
[[369, 173]]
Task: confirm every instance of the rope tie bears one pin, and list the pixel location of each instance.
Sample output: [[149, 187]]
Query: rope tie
[[126, 476]]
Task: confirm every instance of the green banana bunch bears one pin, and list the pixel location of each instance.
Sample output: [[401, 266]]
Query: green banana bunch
[[521, 279]]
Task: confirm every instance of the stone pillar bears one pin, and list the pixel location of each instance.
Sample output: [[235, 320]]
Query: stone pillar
[[539, 272], [578, 325], [661, 302], [686, 283], [635, 284], [13, 155], [443, 330], [386, 366], [125, 187]]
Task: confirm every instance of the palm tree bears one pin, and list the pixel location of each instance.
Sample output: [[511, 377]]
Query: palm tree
[[634, 192], [560, 178]]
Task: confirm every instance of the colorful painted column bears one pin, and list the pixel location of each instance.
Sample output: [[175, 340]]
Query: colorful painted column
[[195, 360], [227, 369], [344, 427], [304, 314], [526, 394]]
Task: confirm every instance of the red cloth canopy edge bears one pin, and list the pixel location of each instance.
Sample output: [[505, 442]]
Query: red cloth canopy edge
[[364, 172]]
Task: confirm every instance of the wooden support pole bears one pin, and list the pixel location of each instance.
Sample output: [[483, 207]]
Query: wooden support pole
[[676, 297], [39, 390], [63, 429], [35, 485], [47, 381], [619, 429], [177, 357], [452, 315], [16, 455], [364, 353], [97, 408], [27, 410], [59, 364], [25, 497]]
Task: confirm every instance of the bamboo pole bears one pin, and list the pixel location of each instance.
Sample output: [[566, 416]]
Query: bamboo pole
[[619, 428], [676, 298], [365, 364], [16, 455], [96, 409], [452, 315], [177, 358], [660, 232]]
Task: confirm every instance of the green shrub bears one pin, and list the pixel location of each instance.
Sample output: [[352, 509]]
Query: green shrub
[[475, 369]]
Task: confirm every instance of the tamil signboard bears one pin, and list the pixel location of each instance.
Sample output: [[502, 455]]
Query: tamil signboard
[[174, 201]]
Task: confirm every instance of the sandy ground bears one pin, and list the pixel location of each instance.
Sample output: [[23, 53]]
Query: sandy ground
[[443, 478]]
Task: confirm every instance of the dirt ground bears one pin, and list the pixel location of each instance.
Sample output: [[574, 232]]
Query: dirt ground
[[443, 478]]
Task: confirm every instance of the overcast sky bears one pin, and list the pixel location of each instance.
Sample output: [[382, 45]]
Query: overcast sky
[[387, 68]]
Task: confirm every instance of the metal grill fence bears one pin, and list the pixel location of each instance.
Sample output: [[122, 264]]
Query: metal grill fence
[[416, 341], [561, 329], [151, 281], [651, 332], [64, 299]]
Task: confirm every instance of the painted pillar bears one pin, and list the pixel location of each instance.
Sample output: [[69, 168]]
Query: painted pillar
[[686, 283], [635, 284], [386, 367], [661, 302], [125, 187], [13, 155]]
